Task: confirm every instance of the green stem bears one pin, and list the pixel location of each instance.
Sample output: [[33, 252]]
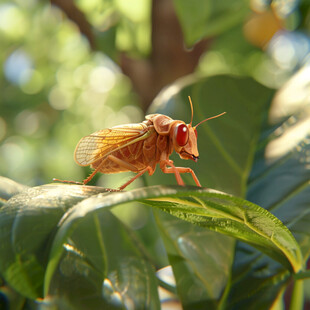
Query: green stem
[[297, 300]]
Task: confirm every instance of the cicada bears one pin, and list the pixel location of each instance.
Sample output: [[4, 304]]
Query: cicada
[[140, 147]]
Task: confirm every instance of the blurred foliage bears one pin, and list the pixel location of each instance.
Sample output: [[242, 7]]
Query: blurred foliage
[[70, 68], [56, 88]]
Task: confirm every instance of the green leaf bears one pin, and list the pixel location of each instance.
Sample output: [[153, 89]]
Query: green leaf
[[83, 254], [279, 180], [28, 221], [211, 209], [238, 218], [9, 188], [101, 266], [204, 19], [201, 273]]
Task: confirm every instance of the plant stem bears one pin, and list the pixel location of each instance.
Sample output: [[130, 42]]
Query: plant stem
[[297, 300]]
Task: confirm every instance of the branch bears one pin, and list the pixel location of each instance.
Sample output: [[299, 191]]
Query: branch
[[78, 17], [169, 59]]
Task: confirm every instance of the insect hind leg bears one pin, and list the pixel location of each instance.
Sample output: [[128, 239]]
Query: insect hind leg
[[149, 169], [94, 172], [131, 167], [66, 181]]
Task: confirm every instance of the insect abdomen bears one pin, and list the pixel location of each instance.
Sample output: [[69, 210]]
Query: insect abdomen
[[135, 157]]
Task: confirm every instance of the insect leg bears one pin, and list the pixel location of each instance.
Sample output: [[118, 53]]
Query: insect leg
[[189, 170], [122, 163], [66, 181], [177, 171], [114, 159], [149, 169], [173, 169], [94, 172], [128, 166]]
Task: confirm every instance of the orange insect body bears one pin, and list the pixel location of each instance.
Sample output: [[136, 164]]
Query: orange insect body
[[140, 147]]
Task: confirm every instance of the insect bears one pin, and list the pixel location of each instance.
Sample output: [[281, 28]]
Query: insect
[[140, 147]]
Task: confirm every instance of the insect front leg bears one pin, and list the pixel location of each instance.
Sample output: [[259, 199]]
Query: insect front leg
[[177, 171], [189, 170], [172, 169]]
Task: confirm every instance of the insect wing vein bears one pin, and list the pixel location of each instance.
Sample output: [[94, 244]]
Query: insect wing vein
[[102, 143]]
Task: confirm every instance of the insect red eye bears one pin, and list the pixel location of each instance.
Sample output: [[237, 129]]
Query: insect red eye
[[181, 134], [196, 133]]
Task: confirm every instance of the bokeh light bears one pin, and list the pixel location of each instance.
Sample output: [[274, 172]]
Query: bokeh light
[[289, 50], [18, 67], [14, 23]]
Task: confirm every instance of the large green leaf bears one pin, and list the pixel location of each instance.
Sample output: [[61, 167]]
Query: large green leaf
[[213, 210], [28, 221], [92, 248], [235, 217], [279, 182], [83, 247]]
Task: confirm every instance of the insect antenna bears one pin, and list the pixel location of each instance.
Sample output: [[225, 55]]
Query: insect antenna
[[207, 119], [192, 109]]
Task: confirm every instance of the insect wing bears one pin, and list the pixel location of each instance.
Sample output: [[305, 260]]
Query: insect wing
[[102, 143]]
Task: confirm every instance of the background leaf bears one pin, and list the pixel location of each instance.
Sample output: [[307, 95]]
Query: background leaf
[[279, 182], [226, 145], [200, 19]]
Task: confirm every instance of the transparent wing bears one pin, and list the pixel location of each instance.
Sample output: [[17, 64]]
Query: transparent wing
[[102, 143]]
